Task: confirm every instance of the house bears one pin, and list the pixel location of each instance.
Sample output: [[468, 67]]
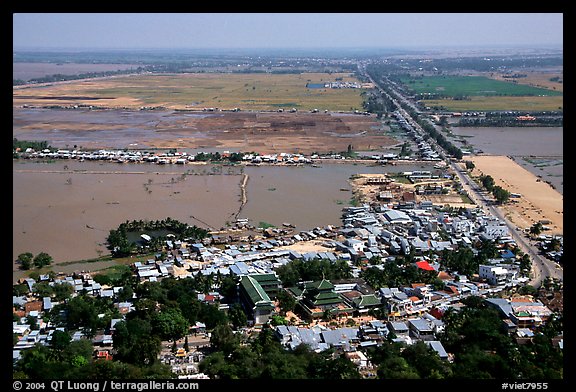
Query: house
[[364, 302], [396, 301], [342, 338], [198, 328], [46, 304], [292, 336], [437, 346], [398, 328], [397, 217], [496, 275], [421, 329], [523, 313], [423, 265], [33, 306], [103, 340], [104, 354], [255, 301]]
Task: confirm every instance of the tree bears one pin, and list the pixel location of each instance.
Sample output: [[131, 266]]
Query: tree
[[169, 324], [223, 339], [42, 259], [425, 361], [135, 343], [237, 316], [59, 342], [536, 228], [25, 260], [487, 182], [500, 194], [286, 301], [278, 320], [525, 264], [32, 321], [20, 289], [212, 316], [33, 360], [81, 348], [396, 368], [62, 291], [43, 289]]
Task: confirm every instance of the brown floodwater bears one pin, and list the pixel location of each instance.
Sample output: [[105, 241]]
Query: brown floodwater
[[539, 150], [69, 211], [67, 208], [27, 71]]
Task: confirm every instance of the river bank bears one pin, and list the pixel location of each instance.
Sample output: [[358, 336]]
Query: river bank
[[538, 201]]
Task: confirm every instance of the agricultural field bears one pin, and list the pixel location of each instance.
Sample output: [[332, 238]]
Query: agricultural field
[[498, 103], [469, 93], [196, 91], [453, 86], [552, 80]]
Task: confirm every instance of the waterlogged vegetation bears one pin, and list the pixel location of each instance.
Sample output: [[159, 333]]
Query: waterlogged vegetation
[[156, 231]]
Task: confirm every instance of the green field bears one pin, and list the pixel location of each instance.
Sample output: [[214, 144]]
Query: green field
[[228, 91], [468, 93], [454, 86]]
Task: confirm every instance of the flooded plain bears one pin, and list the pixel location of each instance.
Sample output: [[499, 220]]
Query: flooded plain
[[67, 208], [27, 71], [538, 149]]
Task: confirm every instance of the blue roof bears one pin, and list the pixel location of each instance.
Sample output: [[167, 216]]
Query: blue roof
[[420, 324], [239, 268], [377, 324], [501, 304], [339, 336], [438, 347]]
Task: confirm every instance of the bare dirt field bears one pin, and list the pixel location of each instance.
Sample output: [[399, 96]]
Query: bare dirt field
[[262, 132], [277, 132], [368, 192], [536, 78], [538, 201]]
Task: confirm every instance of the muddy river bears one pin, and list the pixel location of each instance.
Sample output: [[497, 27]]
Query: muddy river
[[538, 149], [67, 208]]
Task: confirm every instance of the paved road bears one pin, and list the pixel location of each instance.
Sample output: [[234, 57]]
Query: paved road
[[541, 266]]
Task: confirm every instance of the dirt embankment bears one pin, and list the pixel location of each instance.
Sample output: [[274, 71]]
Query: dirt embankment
[[536, 201]]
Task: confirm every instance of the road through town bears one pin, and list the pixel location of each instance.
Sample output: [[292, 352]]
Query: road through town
[[541, 266]]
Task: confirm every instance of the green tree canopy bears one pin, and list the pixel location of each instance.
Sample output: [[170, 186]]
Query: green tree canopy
[[42, 259], [169, 324]]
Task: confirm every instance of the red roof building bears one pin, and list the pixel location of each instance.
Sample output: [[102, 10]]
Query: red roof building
[[424, 265]]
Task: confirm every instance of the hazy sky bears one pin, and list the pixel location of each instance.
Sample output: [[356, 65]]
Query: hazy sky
[[284, 30]]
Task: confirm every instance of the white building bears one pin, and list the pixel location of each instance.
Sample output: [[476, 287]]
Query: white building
[[496, 275]]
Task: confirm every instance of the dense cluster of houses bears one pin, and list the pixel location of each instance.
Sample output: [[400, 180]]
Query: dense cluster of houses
[[385, 231], [160, 158]]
